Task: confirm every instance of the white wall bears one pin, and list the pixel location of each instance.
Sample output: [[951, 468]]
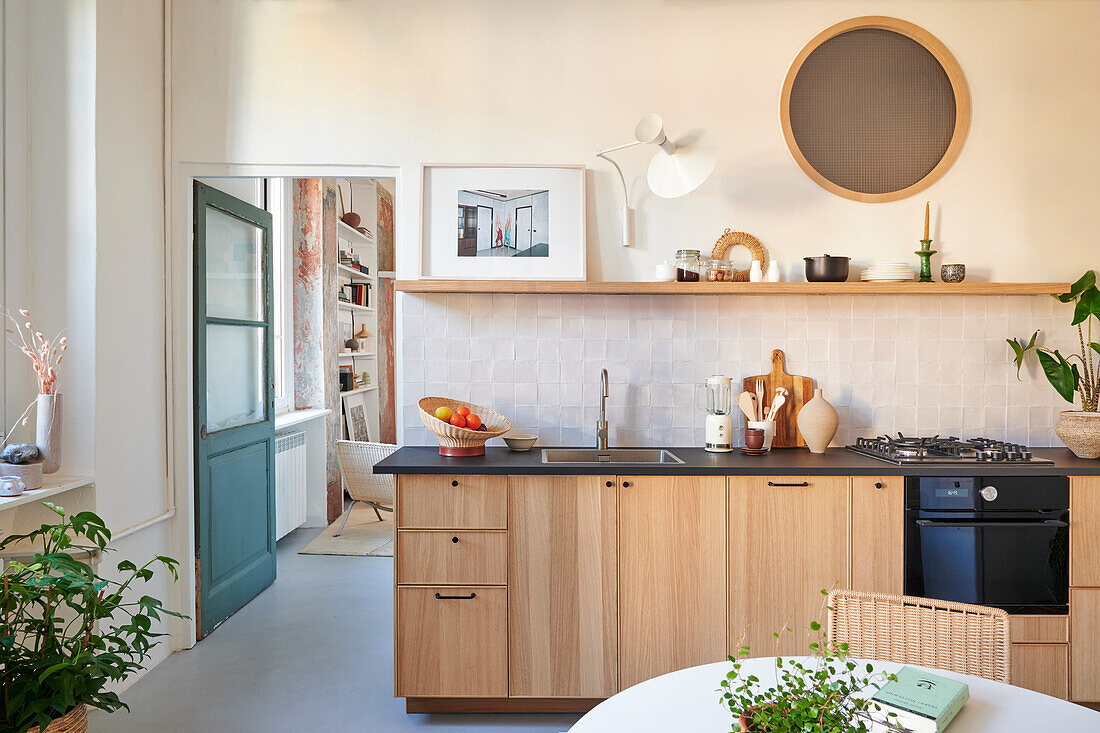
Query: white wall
[[397, 88]]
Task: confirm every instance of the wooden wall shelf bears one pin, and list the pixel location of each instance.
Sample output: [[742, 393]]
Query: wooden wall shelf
[[705, 288]]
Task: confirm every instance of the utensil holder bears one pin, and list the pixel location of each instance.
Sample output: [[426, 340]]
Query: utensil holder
[[768, 426]]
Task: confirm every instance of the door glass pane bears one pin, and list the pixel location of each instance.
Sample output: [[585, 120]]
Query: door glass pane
[[234, 267], [234, 376]]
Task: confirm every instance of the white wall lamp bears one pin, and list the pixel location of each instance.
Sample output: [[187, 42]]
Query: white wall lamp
[[678, 168]]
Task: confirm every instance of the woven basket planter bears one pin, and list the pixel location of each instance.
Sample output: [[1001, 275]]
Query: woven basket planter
[[460, 442], [74, 721]]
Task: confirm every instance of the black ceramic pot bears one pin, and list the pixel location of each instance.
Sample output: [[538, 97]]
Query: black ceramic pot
[[827, 269]]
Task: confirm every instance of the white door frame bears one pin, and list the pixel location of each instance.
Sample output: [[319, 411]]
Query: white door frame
[[178, 278]]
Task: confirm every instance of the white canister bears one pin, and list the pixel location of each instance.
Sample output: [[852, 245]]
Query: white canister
[[773, 272], [11, 486], [756, 272], [665, 272], [768, 426]]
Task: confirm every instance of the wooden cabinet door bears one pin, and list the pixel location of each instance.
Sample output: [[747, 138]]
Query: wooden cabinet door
[[788, 541], [1041, 667], [1084, 531], [672, 574], [562, 600], [452, 641], [452, 502], [878, 534], [1084, 651]]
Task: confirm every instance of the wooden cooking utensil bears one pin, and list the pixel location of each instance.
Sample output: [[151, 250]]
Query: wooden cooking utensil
[[778, 402], [745, 402], [760, 399], [800, 390]]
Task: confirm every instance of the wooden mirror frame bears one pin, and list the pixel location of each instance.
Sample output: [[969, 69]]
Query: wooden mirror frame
[[934, 46]]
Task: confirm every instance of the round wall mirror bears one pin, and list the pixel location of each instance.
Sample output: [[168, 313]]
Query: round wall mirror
[[875, 109]]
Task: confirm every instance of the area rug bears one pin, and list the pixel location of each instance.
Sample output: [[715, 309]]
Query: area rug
[[363, 535]]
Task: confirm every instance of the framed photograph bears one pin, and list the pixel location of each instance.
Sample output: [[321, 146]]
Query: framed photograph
[[503, 223], [355, 417]]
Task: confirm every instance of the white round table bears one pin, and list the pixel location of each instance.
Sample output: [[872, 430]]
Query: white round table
[[688, 700]]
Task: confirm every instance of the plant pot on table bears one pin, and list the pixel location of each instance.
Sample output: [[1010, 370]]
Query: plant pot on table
[[1080, 431]]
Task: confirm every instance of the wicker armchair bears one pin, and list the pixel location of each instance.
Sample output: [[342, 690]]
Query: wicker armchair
[[942, 634], [363, 485]]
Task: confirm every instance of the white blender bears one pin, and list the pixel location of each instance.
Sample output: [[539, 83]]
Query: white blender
[[719, 404]]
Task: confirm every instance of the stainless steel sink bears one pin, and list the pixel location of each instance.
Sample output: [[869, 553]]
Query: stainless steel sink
[[611, 455]]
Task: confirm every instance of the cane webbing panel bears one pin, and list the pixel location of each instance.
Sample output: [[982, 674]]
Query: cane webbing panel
[[872, 111]]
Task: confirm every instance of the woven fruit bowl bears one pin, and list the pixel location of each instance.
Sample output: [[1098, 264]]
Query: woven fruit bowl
[[459, 442]]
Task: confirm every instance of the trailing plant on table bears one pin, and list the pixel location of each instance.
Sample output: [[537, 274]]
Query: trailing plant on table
[[1065, 376], [824, 694], [54, 652]]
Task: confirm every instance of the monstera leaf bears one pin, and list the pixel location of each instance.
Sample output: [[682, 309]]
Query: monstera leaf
[[1062, 375], [1020, 349]]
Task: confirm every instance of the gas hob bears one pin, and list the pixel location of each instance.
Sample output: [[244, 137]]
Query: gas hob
[[902, 450]]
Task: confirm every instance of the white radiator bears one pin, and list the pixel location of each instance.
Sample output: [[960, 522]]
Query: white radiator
[[290, 482]]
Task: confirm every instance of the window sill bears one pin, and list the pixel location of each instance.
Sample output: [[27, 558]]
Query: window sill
[[296, 417]]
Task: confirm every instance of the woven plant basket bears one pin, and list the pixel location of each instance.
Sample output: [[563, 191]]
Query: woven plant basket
[[74, 721], [459, 442]]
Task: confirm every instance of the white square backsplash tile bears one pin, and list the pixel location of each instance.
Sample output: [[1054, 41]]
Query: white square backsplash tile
[[924, 364]]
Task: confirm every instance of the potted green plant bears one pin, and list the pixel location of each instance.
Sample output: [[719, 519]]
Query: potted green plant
[[1078, 429], [66, 633], [829, 693]]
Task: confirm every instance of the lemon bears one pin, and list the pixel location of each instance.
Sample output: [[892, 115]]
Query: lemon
[[443, 413]]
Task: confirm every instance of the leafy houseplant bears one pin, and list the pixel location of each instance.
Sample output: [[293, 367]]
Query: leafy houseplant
[[55, 656], [825, 695], [1080, 430]]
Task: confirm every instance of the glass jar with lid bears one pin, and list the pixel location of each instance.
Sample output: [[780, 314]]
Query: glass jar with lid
[[719, 271], [688, 266]]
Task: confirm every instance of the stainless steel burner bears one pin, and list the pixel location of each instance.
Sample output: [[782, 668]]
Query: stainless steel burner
[[902, 450]]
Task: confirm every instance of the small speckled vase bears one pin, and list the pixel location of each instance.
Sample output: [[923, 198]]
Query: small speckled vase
[[953, 273], [818, 421], [1080, 431]]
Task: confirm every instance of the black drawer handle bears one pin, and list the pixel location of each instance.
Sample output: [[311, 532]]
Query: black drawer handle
[[454, 483], [456, 598], [802, 483], [610, 484], [968, 524], [878, 484], [626, 484], [455, 540]]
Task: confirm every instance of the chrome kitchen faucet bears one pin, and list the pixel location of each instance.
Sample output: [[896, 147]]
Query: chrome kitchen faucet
[[601, 426]]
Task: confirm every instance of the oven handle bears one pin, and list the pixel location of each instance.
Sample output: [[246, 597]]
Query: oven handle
[[1044, 523]]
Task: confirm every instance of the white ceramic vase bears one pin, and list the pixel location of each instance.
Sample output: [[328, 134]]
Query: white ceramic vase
[[1080, 431], [818, 421], [48, 433], [756, 272]]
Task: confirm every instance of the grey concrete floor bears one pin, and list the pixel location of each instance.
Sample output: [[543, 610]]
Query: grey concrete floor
[[312, 652]]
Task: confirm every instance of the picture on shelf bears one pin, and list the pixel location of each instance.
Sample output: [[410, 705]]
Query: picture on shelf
[[504, 223], [355, 417]]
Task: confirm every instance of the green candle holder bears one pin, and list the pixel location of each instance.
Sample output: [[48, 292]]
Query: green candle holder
[[925, 253]]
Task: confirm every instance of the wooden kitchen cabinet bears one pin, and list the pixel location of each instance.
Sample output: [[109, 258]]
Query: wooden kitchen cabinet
[[1041, 667], [788, 540], [452, 502], [1084, 635], [452, 641], [563, 599], [878, 534], [672, 574], [460, 556], [1084, 532]]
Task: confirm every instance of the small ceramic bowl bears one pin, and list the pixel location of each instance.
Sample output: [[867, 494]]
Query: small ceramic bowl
[[953, 273], [520, 442], [754, 438]]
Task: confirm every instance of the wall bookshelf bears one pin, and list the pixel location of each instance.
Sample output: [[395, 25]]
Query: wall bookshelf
[[355, 316]]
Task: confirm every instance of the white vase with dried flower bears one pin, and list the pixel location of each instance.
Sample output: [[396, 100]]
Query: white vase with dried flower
[[45, 355]]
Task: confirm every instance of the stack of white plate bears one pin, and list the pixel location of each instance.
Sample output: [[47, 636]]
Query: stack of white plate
[[887, 272]]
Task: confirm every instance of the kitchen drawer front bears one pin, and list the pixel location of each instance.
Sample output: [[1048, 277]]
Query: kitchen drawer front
[[809, 483], [452, 641], [1039, 629], [452, 557], [1042, 667], [452, 502]]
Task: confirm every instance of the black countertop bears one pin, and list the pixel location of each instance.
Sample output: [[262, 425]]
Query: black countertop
[[697, 462]]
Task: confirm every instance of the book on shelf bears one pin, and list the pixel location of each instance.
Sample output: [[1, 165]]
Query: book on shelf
[[359, 293], [921, 701]]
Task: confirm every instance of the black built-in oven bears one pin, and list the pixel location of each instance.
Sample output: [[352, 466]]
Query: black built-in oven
[[995, 541]]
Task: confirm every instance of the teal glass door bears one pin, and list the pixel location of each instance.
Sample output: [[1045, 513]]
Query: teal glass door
[[234, 405]]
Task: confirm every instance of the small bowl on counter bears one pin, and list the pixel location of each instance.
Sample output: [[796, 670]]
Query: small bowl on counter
[[827, 269], [520, 442]]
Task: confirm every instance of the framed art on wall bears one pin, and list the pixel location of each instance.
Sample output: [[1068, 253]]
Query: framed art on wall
[[503, 222]]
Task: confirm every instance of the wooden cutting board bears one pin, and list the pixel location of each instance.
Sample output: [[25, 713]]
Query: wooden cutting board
[[801, 391]]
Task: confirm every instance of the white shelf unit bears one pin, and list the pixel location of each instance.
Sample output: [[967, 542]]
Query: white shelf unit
[[364, 247]]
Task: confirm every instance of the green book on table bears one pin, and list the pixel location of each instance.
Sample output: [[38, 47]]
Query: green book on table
[[923, 702]]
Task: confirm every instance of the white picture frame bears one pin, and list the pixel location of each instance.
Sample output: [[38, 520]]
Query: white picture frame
[[561, 253], [355, 416]]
